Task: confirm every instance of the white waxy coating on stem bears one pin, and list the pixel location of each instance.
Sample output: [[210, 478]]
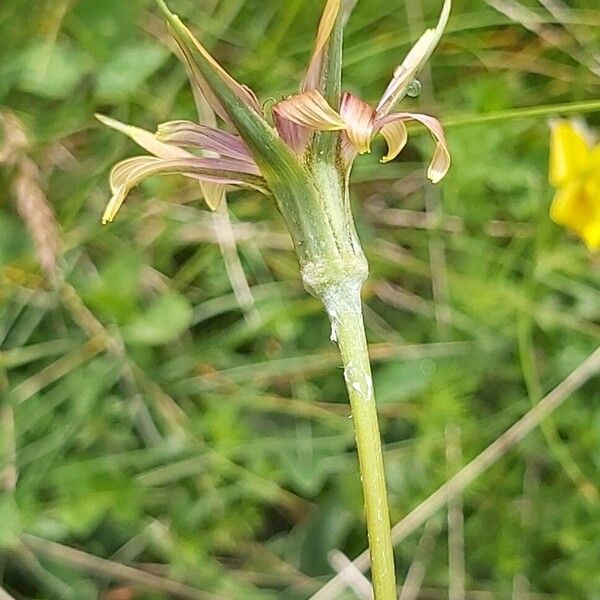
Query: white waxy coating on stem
[[362, 384], [333, 320]]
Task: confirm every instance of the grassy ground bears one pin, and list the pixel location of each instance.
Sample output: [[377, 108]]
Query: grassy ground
[[146, 420]]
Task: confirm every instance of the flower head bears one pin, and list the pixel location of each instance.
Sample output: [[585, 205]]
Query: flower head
[[273, 158], [575, 172]]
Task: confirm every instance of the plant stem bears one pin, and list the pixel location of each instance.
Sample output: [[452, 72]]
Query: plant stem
[[343, 305]]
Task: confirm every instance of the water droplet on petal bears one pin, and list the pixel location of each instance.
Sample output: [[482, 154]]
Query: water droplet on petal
[[414, 89]]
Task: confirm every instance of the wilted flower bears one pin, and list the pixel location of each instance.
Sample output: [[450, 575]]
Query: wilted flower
[[302, 160], [245, 158], [575, 172]]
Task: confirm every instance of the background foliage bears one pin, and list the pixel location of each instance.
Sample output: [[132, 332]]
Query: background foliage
[[147, 421]]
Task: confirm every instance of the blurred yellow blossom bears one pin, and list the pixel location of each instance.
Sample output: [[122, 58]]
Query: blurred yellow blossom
[[575, 172]]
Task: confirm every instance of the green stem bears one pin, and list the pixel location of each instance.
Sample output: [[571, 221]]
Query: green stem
[[343, 305]]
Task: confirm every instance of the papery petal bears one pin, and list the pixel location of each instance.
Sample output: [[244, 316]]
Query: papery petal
[[144, 138], [311, 110], [328, 18], [570, 153], [214, 194], [359, 118], [333, 8], [188, 134], [294, 135], [440, 163], [396, 136], [122, 171], [129, 173], [348, 150], [418, 55]]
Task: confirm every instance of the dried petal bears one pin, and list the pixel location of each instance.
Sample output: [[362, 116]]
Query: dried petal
[[418, 55], [121, 172], [311, 110], [188, 134], [214, 194], [144, 138], [129, 173], [328, 18], [294, 135], [396, 136], [440, 163], [359, 118], [175, 133]]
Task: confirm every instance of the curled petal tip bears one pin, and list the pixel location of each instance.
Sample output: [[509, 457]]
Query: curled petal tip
[[393, 129], [440, 164], [112, 208], [396, 136], [113, 123], [100, 117], [416, 58], [145, 139], [435, 177]]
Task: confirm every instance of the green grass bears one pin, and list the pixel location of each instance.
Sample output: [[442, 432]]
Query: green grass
[[145, 421]]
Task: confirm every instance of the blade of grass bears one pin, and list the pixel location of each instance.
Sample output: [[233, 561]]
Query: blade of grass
[[57, 369], [512, 114], [107, 568]]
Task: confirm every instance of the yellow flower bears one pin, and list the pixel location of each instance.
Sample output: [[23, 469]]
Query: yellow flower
[[575, 172]]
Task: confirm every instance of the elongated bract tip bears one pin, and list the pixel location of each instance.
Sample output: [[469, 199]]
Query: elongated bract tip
[[163, 7]]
